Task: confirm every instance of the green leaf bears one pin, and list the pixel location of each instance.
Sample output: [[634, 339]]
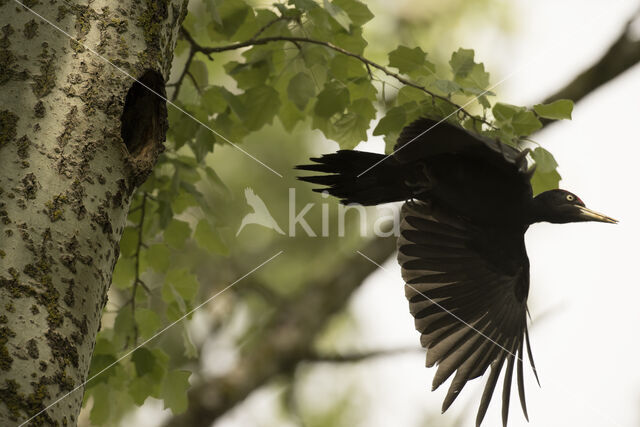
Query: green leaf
[[484, 101], [541, 181], [357, 11], [123, 327], [505, 112], [100, 363], [174, 390], [545, 162], [150, 384], [351, 128], [104, 345], [175, 309], [182, 282], [183, 201], [232, 13], [234, 102], [305, 5], [522, 121], [213, 100], [200, 73], [213, 10], [476, 81], [101, 404], [140, 388], [438, 107], [407, 60], [165, 213], [351, 41], [203, 143], [462, 62], [334, 98], [525, 123], [253, 24], [248, 75], [190, 349], [301, 89], [410, 94], [394, 120], [338, 14], [470, 75], [144, 361], [557, 110], [345, 67], [291, 13], [260, 106], [181, 127], [446, 86], [129, 241], [176, 233], [209, 239], [124, 273], [362, 88], [314, 55], [148, 322], [215, 180], [290, 115]]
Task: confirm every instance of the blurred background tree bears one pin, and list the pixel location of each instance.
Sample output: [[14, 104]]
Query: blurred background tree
[[285, 336]]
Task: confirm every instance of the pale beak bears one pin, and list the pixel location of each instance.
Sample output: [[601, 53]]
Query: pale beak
[[589, 215]]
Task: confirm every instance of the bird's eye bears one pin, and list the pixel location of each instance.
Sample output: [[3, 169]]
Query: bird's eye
[[570, 197]]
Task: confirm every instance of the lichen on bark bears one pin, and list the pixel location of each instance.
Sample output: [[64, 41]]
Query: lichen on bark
[[66, 181]]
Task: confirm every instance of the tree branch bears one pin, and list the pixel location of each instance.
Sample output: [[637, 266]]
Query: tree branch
[[291, 334], [137, 279], [621, 55], [187, 64], [359, 357], [368, 63]]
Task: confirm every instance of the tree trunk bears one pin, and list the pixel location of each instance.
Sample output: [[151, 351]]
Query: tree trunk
[[77, 136]]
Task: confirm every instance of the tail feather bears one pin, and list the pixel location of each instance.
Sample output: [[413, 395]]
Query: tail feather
[[384, 183]]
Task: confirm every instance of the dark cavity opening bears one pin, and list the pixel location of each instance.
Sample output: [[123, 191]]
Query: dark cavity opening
[[144, 118]]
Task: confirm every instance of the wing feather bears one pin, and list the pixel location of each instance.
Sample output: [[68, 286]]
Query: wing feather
[[523, 401], [469, 311]]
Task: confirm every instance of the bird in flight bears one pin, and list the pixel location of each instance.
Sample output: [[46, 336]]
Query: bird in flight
[[468, 203]]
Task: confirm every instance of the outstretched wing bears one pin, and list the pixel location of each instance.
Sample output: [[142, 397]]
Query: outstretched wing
[[425, 137], [467, 289]]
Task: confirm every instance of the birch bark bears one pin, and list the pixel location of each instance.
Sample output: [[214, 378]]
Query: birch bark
[[77, 136]]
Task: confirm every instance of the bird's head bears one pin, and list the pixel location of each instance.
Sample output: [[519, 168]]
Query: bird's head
[[561, 206]]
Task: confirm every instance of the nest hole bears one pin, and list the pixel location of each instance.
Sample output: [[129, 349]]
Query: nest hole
[[144, 118]]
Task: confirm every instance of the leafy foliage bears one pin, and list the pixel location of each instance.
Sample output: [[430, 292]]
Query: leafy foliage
[[314, 73]]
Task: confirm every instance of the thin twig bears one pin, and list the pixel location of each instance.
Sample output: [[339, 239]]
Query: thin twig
[[137, 279], [358, 357], [267, 25], [295, 39], [195, 83], [192, 44], [185, 70]]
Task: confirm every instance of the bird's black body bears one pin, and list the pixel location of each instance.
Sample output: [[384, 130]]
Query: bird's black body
[[468, 204]]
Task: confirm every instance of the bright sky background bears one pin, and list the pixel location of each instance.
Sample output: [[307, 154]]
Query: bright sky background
[[584, 277]]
